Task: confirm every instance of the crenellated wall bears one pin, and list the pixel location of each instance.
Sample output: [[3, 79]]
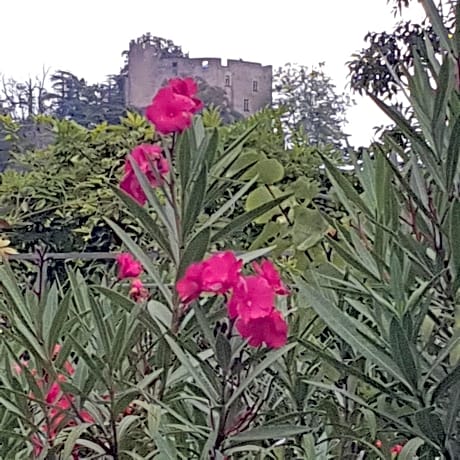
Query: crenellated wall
[[248, 84]]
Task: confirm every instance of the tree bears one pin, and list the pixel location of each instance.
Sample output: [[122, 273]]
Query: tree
[[312, 103], [24, 99], [378, 68], [74, 99]]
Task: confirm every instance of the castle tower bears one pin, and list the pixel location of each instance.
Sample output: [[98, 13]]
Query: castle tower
[[248, 85]]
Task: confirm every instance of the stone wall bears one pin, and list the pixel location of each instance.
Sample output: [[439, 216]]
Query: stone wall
[[248, 84]]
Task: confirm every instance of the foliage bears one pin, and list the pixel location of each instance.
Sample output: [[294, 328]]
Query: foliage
[[58, 196], [159, 380], [311, 104], [394, 302]]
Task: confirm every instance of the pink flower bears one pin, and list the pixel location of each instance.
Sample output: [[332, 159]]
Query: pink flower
[[252, 298], [128, 267], [130, 185], [270, 329], [138, 292], [170, 112], [189, 287], [186, 87], [267, 270], [152, 163], [146, 156], [218, 274], [221, 272], [396, 449]]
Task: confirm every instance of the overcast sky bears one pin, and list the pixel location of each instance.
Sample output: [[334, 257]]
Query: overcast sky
[[87, 37]]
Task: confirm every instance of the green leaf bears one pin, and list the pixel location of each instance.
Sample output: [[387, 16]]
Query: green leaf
[[194, 200], [142, 257], [269, 432], [260, 196], [439, 28], [193, 369], [446, 384], [454, 225], [402, 352], [344, 326], [150, 226], [343, 186], [371, 422], [453, 155], [250, 216], [195, 250], [271, 357], [409, 451], [418, 143], [267, 171], [229, 204], [223, 351], [431, 426], [72, 439]]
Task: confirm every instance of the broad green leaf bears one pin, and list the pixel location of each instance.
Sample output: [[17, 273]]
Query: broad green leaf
[[246, 218], [260, 196], [267, 171]]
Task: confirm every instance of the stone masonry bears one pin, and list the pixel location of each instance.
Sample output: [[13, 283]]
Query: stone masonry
[[248, 85]]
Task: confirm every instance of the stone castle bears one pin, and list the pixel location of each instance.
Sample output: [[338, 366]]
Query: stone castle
[[248, 85]]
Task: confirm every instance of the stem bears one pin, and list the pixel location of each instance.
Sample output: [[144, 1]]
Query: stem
[[113, 426]]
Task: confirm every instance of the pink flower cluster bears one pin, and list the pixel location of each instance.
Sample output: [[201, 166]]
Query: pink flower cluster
[[251, 299], [152, 163], [174, 105], [130, 268], [58, 404], [171, 111]]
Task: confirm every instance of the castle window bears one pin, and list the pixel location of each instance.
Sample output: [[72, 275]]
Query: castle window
[[227, 80], [255, 86], [204, 65], [174, 68], [246, 105]]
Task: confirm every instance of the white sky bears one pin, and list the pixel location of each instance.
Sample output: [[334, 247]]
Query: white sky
[[87, 37]]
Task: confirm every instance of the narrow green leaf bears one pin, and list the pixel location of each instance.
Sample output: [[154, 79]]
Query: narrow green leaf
[[402, 352], [418, 143], [197, 375], [149, 225], [72, 439], [269, 433], [446, 383], [454, 225], [432, 11], [344, 326], [230, 203], [344, 186], [194, 201], [223, 351], [431, 426], [271, 357], [195, 250], [145, 260], [453, 155]]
